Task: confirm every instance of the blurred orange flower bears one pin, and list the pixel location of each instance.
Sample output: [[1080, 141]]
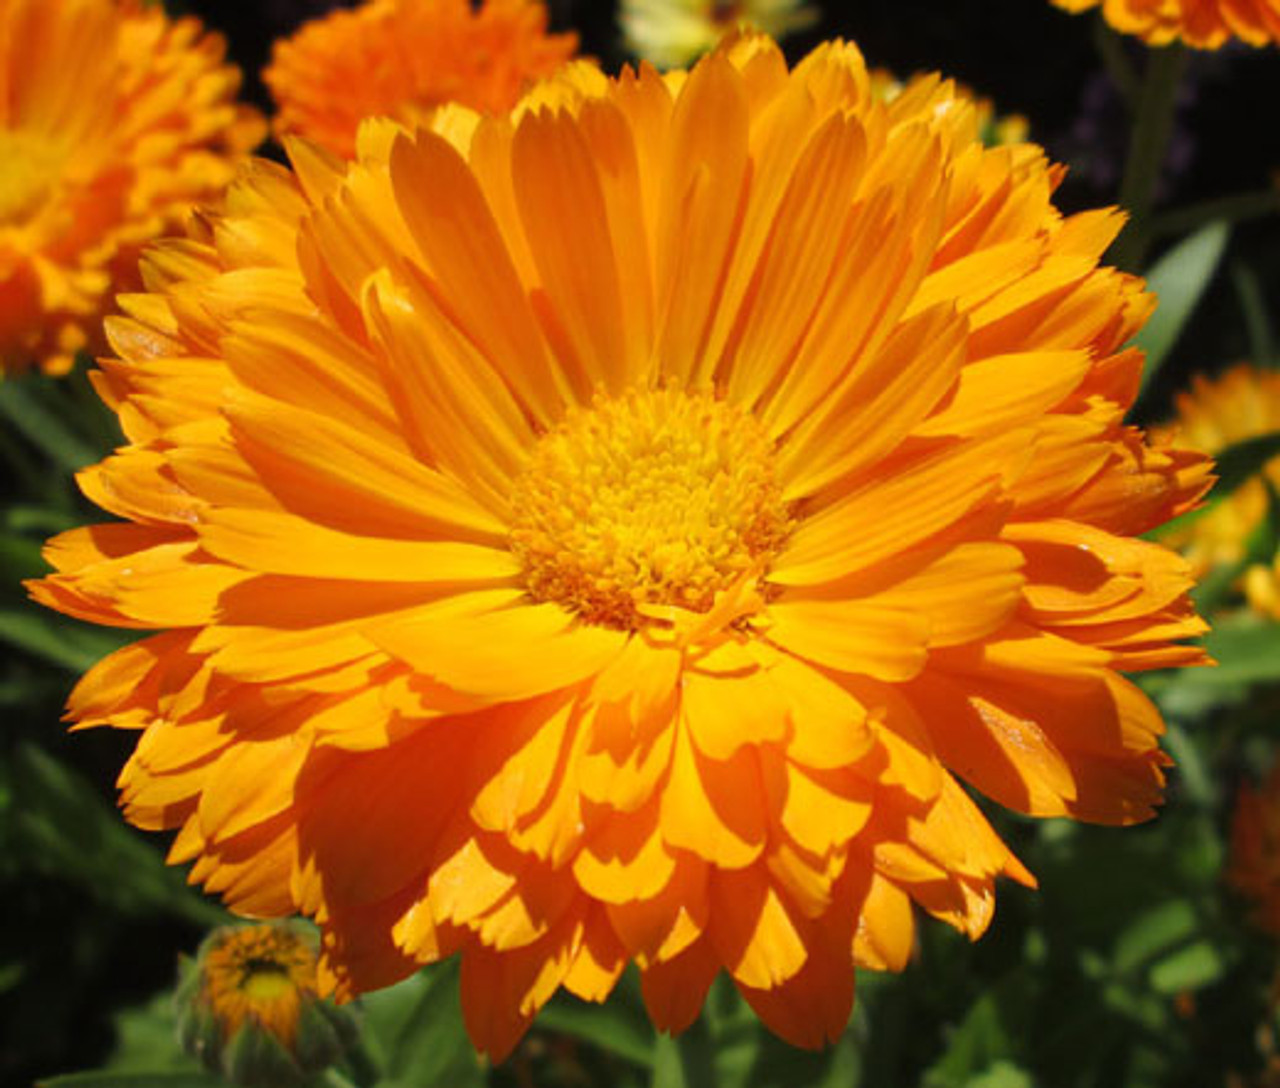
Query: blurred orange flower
[[1205, 24], [1254, 868], [603, 533], [405, 58], [1242, 403], [114, 120]]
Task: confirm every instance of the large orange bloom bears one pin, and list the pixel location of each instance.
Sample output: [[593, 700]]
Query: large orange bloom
[[1216, 413], [406, 58], [1205, 24], [599, 534], [113, 122]]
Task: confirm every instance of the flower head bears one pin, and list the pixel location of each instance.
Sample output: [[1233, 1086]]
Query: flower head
[[1240, 404], [603, 533], [1204, 24], [1254, 867], [406, 58], [249, 1007], [114, 120], [676, 32]]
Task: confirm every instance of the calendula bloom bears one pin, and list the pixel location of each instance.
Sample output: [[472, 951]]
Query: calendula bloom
[[1254, 868], [676, 32], [114, 120], [604, 533], [1204, 24], [405, 59], [250, 1009], [1218, 412]]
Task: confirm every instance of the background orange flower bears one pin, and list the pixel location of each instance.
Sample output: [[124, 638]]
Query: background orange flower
[[114, 121], [404, 58], [1205, 24]]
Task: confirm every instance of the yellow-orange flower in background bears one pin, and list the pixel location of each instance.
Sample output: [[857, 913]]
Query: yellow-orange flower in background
[[1218, 412], [114, 120], [406, 58], [1204, 24], [669, 33], [604, 533], [1254, 867]]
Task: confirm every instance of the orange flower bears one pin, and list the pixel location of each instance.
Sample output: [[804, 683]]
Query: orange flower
[[113, 122], [1254, 868], [1218, 412], [405, 58], [1205, 24], [598, 534]]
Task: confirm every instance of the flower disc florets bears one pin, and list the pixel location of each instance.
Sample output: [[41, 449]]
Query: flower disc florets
[[656, 497]]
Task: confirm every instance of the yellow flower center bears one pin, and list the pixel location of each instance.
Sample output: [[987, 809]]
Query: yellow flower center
[[29, 169], [653, 497]]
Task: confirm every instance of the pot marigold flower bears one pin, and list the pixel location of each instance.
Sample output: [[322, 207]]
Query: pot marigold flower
[[1254, 866], [406, 58], [675, 32], [609, 532], [114, 120], [1240, 404], [1204, 24], [250, 1009]]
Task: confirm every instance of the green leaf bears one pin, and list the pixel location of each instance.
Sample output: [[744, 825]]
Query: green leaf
[[685, 1061], [60, 826], [1179, 279], [147, 1040], [29, 413], [616, 1027], [1153, 933], [1247, 650], [1003, 1075], [133, 1080], [56, 639], [418, 1029], [1253, 306], [1244, 460], [1189, 968]]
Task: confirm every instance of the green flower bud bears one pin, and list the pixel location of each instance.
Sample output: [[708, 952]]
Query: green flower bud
[[249, 1008]]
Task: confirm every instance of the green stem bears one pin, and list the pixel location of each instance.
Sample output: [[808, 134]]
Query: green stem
[[1232, 209], [1119, 67], [1148, 142]]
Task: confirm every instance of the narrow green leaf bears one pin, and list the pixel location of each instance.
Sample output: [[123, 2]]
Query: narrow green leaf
[[1179, 279], [1244, 460], [1153, 933], [60, 826], [613, 1027], [29, 414], [1253, 306], [685, 1061], [1189, 968], [133, 1080], [57, 640], [430, 1047]]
